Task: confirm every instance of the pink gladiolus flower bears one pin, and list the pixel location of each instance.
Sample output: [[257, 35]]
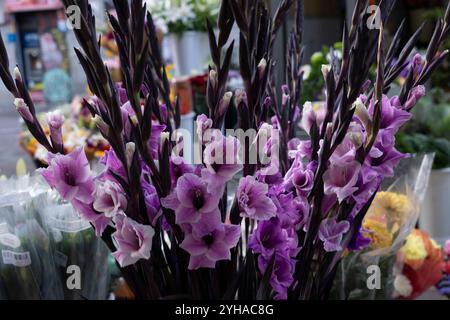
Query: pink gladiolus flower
[[87, 212], [110, 199], [221, 158], [194, 205], [70, 175], [133, 241]]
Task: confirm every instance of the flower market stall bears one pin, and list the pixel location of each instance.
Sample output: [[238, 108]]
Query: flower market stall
[[285, 187]]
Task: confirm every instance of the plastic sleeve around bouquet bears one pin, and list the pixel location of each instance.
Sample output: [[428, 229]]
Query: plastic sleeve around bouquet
[[75, 244], [391, 218], [26, 261]]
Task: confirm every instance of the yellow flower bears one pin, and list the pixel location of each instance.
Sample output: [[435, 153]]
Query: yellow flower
[[378, 233], [414, 247], [392, 207]]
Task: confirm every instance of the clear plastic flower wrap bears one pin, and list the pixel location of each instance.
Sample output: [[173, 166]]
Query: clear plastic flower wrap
[[75, 244], [26, 264], [370, 273]]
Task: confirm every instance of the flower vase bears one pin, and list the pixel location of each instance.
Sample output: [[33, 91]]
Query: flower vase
[[435, 218], [190, 52]]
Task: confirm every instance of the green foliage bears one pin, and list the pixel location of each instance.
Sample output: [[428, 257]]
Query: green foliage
[[429, 130], [314, 83]]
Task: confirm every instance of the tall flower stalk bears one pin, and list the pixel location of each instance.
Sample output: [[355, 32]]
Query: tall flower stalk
[[168, 222]]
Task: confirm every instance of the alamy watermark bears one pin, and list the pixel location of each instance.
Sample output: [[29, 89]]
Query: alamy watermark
[[73, 14], [374, 20]]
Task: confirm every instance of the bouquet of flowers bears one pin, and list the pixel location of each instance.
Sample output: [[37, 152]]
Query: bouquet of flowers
[[177, 16], [26, 263], [299, 204], [40, 237], [389, 221], [423, 265], [444, 285], [75, 244]]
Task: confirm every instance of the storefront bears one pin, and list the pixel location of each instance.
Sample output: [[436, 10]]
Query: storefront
[[41, 48]]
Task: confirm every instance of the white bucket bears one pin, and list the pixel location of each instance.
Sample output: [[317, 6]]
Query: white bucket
[[435, 217], [190, 52]]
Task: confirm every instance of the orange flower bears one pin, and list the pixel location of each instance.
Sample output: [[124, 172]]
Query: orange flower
[[423, 261]]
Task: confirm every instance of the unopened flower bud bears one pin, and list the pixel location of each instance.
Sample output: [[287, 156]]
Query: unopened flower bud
[[366, 85], [329, 130], [23, 109], [55, 121], [225, 102], [240, 96], [213, 78], [267, 102], [356, 138], [414, 96], [286, 95], [308, 117], [325, 69], [17, 74], [101, 125], [165, 136], [265, 132], [130, 149], [134, 120], [262, 68], [362, 113], [417, 63]]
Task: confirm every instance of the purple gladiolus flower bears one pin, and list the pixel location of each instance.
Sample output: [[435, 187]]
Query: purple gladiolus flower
[[345, 152], [87, 212], [113, 165], [282, 274], [194, 205], [110, 199], [383, 157], [303, 181], [133, 241], [206, 250], [151, 201], [312, 115], [331, 233], [178, 167], [359, 241], [269, 175], [253, 200], [222, 163], [341, 180], [70, 175], [392, 117], [368, 182], [269, 238]]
